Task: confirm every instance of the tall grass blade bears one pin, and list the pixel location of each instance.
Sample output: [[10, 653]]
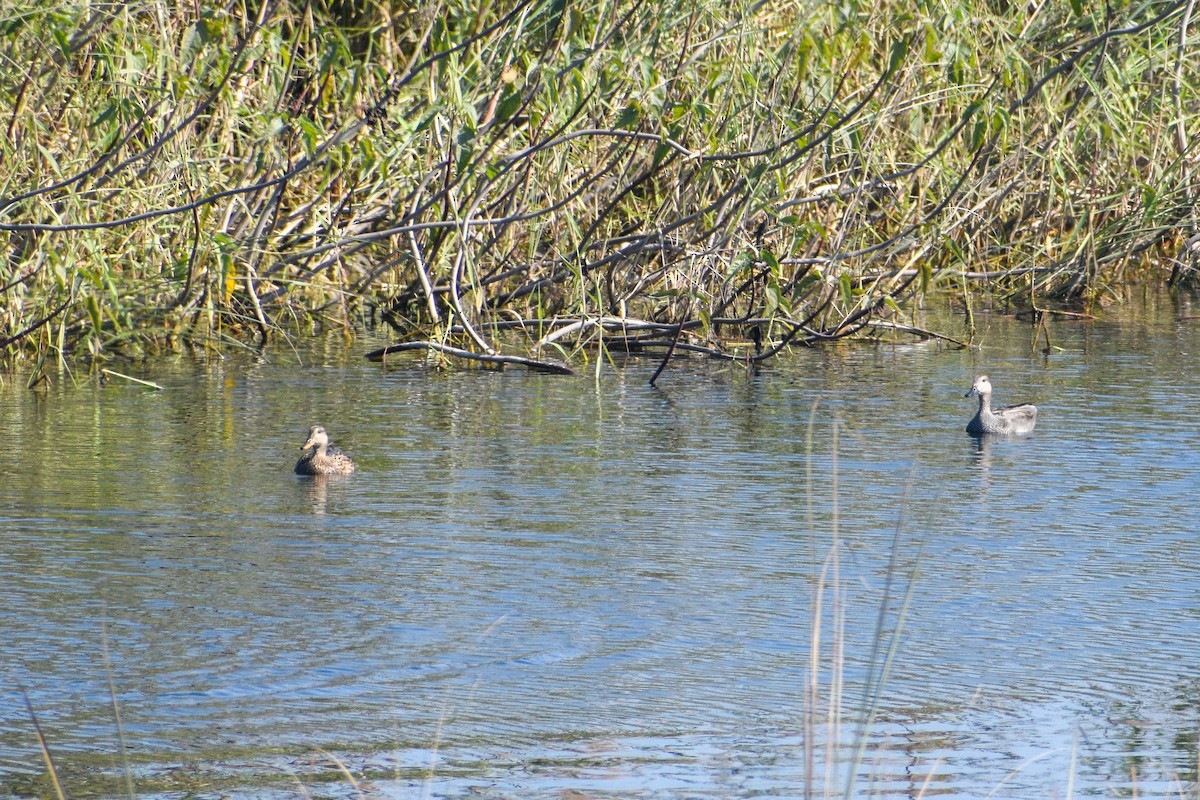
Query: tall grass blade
[[37, 728]]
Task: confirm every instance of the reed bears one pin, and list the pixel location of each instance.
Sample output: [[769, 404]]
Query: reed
[[733, 177]]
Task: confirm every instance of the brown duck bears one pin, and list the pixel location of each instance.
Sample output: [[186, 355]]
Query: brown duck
[[322, 458]]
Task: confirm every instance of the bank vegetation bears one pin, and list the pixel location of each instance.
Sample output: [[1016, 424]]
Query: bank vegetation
[[541, 181]]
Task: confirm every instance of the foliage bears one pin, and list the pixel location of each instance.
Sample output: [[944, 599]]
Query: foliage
[[676, 174]]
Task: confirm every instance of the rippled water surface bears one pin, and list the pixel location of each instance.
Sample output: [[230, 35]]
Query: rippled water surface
[[557, 587]]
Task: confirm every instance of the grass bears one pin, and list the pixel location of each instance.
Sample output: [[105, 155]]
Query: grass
[[733, 178]]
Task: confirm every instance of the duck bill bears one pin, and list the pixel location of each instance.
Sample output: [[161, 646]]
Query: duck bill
[[310, 443], [971, 393]]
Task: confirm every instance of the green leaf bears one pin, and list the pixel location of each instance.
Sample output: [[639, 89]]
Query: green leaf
[[661, 152], [742, 262], [773, 297], [508, 106], [312, 134], [225, 243], [60, 39], [810, 280], [93, 310], [11, 25], [978, 134], [578, 85], [107, 114], [195, 37], [847, 287], [630, 116], [932, 54], [898, 54], [463, 157], [772, 261]]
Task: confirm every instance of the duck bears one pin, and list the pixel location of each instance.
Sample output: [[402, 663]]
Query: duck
[[324, 458], [1016, 419]]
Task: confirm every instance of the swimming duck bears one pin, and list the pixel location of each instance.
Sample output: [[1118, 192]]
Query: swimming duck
[[1006, 420], [325, 459]]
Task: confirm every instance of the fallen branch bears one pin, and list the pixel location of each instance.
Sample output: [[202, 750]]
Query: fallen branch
[[585, 324], [1035, 313], [488, 358], [920, 332]]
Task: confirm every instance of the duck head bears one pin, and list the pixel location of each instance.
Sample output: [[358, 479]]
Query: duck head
[[316, 438], [981, 386]]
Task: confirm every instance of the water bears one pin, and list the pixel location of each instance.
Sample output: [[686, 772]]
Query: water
[[541, 586]]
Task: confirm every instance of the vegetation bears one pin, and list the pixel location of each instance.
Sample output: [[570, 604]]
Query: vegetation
[[525, 179]]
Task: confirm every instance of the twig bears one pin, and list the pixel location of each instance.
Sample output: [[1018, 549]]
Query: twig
[[455, 298], [915, 331], [608, 323], [419, 259], [1181, 138], [131, 378], [675, 343], [954, 273], [145, 215], [186, 291], [615, 133], [23, 279]]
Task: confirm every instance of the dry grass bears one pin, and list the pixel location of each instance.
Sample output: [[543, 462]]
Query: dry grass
[[729, 177]]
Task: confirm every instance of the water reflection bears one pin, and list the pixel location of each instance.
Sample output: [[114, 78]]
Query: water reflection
[[985, 445], [317, 489], [541, 585]]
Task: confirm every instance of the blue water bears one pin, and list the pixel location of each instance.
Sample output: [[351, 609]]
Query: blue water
[[540, 585]]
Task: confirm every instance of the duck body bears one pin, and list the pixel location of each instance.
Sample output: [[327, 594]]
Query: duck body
[[1007, 420], [321, 457]]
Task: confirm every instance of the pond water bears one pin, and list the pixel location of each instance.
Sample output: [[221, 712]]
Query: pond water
[[805, 580]]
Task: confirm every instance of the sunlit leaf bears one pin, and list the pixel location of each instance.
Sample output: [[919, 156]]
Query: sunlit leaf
[[847, 287], [773, 298], [771, 260], [742, 262], [93, 310], [64, 43], [195, 37]]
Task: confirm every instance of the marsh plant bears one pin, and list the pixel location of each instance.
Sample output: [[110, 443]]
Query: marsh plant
[[539, 177]]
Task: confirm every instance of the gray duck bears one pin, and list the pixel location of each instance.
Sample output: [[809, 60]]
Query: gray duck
[[323, 458], [1006, 420]]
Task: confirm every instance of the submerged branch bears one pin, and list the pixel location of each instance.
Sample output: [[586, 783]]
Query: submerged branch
[[487, 358]]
